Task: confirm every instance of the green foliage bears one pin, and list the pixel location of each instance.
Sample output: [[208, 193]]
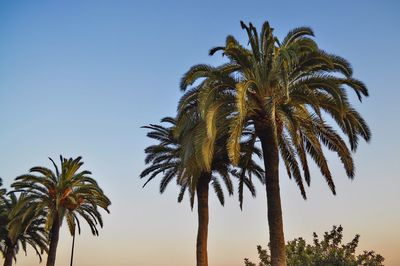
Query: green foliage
[[327, 252], [179, 155], [21, 226], [64, 193], [288, 86], [265, 258]]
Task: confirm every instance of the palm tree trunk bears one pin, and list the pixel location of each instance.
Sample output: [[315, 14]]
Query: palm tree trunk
[[9, 256], [269, 145], [202, 210], [73, 247], [54, 235]]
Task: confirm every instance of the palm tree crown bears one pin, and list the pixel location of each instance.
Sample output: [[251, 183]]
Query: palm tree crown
[[178, 155], [21, 226], [289, 86]]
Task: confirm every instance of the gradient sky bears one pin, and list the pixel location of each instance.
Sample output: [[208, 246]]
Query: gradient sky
[[81, 77]]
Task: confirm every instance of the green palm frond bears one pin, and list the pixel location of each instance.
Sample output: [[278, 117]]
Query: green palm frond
[[194, 73], [63, 194], [218, 190], [235, 133], [289, 158], [295, 34]]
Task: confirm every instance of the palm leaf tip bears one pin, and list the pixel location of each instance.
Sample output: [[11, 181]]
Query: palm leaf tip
[[215, 49], [242, 24]]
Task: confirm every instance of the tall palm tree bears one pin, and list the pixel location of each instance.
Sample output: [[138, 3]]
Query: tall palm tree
[[64, 194], [177, 156], [21, 226], [285, 90]]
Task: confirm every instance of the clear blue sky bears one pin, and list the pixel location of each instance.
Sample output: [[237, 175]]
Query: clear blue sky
[[81, 77]]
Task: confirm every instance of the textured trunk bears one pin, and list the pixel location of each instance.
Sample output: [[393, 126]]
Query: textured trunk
[[202, 210], [9, 256], [271, 163], [54, 235]]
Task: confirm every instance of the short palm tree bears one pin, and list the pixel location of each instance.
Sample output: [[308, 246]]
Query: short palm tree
[[176, 156], [63, 194], [284, 90], [22, 226]]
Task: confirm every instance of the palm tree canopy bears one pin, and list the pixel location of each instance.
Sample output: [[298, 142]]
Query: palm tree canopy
[[65, 192], [22, 226], [178, 154], [206, 132], [290, 86]]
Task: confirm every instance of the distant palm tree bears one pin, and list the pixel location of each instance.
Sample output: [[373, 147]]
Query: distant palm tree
[[21, 225], [3, 192], [284, 90], [177, 156], [4, 210], [64, 194]]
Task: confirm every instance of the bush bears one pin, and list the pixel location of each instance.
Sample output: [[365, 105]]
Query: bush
[[328, 252]]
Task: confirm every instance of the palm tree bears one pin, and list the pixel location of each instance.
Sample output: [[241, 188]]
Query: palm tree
[[177, 156], [3, 218], [64, 194], [284, 90], [3, 211], [21, 226]]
